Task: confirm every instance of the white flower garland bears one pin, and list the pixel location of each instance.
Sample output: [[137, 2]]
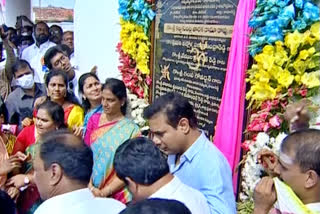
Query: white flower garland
[[251, 171], [137, 105]]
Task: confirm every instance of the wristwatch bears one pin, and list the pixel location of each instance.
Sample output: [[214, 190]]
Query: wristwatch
[[26, 180]]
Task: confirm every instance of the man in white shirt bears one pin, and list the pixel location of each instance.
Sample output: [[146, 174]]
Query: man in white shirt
[[34, 53], [56, 59], [62, 170], [144, 168]]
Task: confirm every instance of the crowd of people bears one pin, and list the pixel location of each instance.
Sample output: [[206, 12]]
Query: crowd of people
[[67, 144]]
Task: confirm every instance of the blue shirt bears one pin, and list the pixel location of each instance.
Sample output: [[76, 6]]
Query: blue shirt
[[204, 168]]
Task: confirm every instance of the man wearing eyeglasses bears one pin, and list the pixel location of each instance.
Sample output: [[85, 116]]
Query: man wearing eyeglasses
[[56, 59], [56, 34]]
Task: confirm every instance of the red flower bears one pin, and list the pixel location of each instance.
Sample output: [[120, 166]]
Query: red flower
[[290, 92], [266, 105], [256, 126], [275, 102], [139, 92], [303, 92]]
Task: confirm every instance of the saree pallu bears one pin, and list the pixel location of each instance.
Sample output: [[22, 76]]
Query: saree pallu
[[106, 139], [6, 147], [73, 116], [88, 116]]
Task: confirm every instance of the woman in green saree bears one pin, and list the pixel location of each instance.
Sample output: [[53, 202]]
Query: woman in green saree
[[105, 132]]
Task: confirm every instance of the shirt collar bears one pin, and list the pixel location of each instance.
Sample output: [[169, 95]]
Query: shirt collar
[[37, 90], [168, 189], [195, 147], [43, 45]]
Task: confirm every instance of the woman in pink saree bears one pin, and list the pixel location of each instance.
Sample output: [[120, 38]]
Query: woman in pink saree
[[105, 132]]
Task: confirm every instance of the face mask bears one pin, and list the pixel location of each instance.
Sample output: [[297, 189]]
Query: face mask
[[26, 81]]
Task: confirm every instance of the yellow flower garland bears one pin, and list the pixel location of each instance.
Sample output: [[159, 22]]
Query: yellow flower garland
[[135, 43], [283, 64]]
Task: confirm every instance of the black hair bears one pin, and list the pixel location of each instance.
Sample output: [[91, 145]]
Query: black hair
[[156, 206], [140, 160], [52, 73], [55, 111], [28, 28], [306, 146], [40, 22], [57, 26], [85, 102], [118, 88], [3, 110], [69, 152], [20, 64], [175, 107], [50, 53], [66, 50], [7, 205], [27, 38]]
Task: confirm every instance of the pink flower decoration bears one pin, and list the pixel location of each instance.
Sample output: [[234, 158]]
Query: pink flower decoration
[[266, 127], [275, 121], [246, 144]]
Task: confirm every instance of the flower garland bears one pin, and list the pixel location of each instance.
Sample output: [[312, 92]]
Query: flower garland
[[286, 65], [137, 11], [137, 106], [134, 46], [285, 45], [272, 19], [251, 172]]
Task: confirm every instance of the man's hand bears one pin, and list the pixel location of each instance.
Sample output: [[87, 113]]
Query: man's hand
[[77, 131], [269, 161], [39, 101], [27, 122], [264, 196], [94, 69], [16, 181], [13, 192], [297, 115], [3, 34]]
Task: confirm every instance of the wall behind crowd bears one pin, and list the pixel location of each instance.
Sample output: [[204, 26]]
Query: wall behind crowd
[[97, 32], [16, 8]]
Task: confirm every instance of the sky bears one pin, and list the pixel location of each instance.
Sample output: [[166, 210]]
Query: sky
[[57, 3]]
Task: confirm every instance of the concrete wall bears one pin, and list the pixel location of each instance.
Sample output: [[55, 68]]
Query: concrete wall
[[16, 8], [97, 32]]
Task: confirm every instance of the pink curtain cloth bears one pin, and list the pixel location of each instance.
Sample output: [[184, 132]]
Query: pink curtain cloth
[[231, 113]]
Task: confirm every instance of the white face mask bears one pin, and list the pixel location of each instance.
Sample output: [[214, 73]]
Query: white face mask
[[26, 81]]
